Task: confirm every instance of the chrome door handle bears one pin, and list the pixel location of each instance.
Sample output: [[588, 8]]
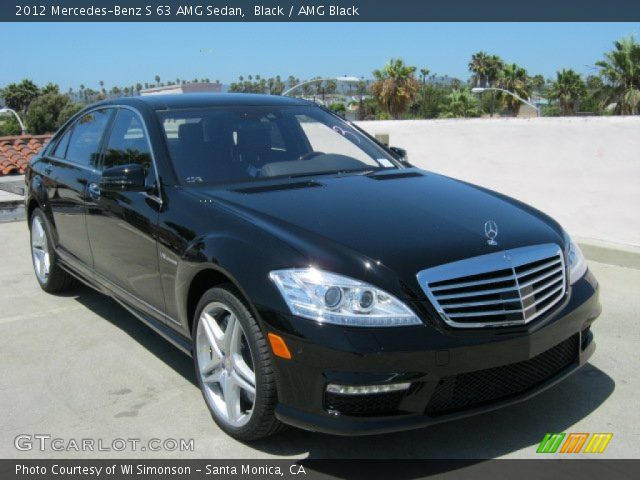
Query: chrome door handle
[[94, 191]]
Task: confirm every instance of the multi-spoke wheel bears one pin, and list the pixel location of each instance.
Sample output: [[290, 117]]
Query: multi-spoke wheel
[[233, 365], [226, 367], [40, 249], [45, 262]]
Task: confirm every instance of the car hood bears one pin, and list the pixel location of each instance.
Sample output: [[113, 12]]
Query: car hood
[[404, 221]]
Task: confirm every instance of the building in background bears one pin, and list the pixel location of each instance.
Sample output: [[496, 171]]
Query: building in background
[[183, 88]]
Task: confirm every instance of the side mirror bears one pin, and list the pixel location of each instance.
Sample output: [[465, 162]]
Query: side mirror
[[123, 178], [401, 155]]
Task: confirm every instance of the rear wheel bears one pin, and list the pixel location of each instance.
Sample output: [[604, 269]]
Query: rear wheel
[[45, 262], [234, 366]]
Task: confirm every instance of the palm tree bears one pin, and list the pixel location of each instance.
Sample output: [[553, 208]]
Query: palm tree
[[486, 72], [568, 89], [157, 79], [395, 87], [479, 66], [621, 72], [460, 104], [424, 73], [514, 78]]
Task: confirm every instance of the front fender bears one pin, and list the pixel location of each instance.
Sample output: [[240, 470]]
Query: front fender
[[243, 260]]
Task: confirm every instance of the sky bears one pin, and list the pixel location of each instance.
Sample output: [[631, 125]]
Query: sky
[[122, 54]]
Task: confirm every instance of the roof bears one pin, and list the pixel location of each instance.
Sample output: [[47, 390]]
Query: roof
[[200, 100], [16, 151]]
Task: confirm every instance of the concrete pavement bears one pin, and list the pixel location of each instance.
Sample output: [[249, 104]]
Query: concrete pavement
[[79, 366]]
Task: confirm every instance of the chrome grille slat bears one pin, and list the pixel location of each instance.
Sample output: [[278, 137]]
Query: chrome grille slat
[[482, 303], [537, 277], [453, 286], [478, 293], [543, 298], [483, 313], [541, 288], [538, 268]]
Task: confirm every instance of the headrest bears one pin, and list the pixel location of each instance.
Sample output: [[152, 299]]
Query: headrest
[[190, 133], [254, 136]]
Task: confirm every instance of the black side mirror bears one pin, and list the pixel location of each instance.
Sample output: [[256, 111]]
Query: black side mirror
[[401, 155], [123, 178]]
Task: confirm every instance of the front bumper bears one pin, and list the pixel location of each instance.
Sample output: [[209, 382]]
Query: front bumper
[[431, 358]]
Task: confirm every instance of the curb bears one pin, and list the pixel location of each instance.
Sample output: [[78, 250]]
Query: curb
[[612, 253]]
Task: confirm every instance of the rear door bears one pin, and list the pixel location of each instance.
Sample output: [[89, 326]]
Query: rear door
[[71, 167], [122, 225]]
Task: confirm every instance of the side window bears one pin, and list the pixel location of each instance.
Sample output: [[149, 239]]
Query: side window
[[85, 140], [61, 148], [128, 143]]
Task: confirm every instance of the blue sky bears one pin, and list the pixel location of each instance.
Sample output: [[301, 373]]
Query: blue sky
[[124, 53]]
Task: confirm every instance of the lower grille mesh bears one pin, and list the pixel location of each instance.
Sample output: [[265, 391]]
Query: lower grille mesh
[[477, 388], [364, 405]]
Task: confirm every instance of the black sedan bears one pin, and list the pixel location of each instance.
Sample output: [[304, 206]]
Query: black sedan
[[316, 278]]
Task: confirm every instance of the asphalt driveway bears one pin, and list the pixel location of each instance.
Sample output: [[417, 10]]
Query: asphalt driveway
[[79, 366]]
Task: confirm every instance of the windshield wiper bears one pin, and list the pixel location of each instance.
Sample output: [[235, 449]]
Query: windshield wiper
[[313, 174]]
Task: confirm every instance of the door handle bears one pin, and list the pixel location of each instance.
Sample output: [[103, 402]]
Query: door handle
[[94, 191], [48, 169]]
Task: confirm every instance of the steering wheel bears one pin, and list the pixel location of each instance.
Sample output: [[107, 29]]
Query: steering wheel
[[310, 155]]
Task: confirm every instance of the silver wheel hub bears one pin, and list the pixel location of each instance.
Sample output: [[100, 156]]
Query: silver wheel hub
[[225, 365], [40, 250]]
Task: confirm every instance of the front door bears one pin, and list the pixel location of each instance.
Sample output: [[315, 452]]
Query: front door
[[122, 225]]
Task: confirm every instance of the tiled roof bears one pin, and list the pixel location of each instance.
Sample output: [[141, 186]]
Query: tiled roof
[[15, 152]]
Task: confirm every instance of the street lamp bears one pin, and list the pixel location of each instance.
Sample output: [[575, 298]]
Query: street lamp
[[482, 89], [9, 110], [344, 78]]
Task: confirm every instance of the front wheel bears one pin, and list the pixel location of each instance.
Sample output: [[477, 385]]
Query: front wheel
[[234, 366]]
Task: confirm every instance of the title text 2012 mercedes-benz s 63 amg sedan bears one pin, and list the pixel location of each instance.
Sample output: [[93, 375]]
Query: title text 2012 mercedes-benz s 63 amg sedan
[[316, 278]]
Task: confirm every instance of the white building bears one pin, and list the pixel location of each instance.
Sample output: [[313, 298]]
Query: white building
[[183, 88]]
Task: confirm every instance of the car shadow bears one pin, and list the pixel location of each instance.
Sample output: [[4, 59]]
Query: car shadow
[[488, 435], [120, 317]]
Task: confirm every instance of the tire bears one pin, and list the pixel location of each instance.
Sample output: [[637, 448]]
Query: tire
[[50, 277], [233, 354]]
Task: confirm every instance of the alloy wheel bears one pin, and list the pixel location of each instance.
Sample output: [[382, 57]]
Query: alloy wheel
[[225, 365], [40, 249]]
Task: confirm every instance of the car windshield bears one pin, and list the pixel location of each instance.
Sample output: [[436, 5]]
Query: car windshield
[[243, 143]]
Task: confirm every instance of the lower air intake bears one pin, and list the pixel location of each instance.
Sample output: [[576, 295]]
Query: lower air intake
[[474, 389]]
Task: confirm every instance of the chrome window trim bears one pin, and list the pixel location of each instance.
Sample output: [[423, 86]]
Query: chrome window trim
[[489, 263]]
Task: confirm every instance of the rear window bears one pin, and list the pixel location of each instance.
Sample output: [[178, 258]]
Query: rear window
[[84, 145]]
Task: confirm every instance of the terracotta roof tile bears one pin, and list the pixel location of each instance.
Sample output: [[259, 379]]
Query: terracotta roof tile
[[15, 152]]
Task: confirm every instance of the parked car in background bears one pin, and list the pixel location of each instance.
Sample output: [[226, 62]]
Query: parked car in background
[[315, 279]]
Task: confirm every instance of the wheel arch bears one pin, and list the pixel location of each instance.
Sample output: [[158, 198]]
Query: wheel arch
[[211, 276]]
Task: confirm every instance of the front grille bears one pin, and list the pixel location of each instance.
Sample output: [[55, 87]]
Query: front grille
[[364, 405], [511, 287], [473, 389]]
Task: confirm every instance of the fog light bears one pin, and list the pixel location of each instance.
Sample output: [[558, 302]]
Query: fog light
[[366, 389]]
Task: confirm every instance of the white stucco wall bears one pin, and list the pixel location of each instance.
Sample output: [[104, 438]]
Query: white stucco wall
[[585, 172]]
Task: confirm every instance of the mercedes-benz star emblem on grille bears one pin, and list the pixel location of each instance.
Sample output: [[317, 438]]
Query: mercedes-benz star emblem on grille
[[491, 231]]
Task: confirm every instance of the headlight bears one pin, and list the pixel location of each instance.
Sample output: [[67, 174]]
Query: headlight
[[331, 298], [575, 259]]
